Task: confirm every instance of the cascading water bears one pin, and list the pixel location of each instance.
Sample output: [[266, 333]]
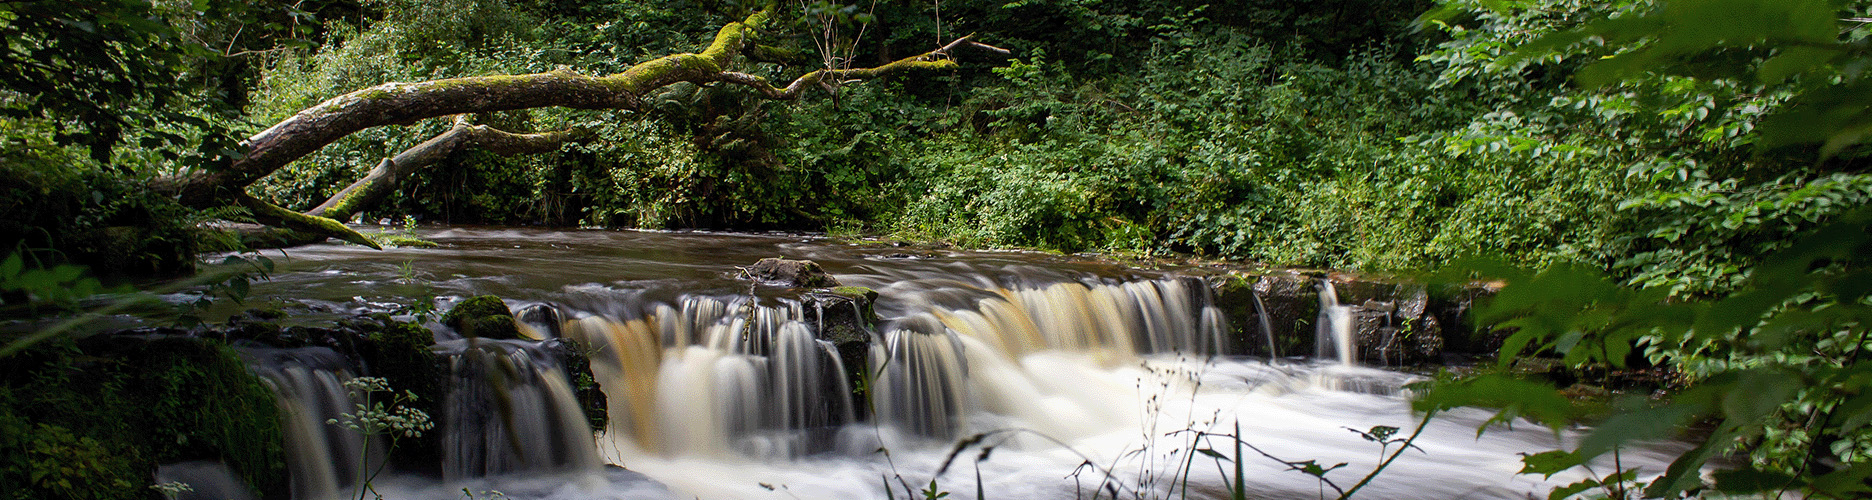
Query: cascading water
[[511, 409], [1267, 327], [1335, 338], [709, 376], [325, 460], [724, 392]]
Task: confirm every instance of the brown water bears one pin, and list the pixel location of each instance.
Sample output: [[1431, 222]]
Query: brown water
[[581, 266]]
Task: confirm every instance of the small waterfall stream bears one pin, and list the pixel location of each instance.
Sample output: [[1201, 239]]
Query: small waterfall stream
[[1335, 339], [710, 376], [511, 409]]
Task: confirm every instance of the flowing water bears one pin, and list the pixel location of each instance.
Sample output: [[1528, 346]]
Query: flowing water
[[1335, 328], [1065, 378]]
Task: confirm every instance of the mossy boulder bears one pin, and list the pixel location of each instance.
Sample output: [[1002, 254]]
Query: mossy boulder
[[482, 316], [790, 273], [399, 352]]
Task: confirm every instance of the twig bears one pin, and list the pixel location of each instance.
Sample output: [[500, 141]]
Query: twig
[[1387, 463]]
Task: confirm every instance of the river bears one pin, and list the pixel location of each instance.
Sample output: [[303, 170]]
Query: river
[[1065, 377]]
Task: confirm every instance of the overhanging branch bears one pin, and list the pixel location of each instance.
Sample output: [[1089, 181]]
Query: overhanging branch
[[405, 103], [383, 180]]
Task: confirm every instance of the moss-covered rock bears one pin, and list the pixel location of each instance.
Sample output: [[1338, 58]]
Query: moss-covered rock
[[576, 358], [482, 316], [399, 352]]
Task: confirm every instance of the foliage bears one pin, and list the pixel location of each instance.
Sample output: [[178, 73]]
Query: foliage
[[398, 353], [1776, 365], [1770, 351], [92, 421], [394, 419]]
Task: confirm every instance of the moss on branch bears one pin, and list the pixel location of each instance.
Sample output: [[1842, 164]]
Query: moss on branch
[[404, 103], [274, 215]]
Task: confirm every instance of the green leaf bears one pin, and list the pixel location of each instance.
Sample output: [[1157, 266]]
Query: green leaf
[[1515, 397], [10, 268], [1638, 425], [1754, 394], [1576, 488], [1751, 480], [1548, 463], [1849, 482]]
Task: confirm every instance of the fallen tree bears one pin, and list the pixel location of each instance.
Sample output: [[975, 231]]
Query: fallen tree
[[406, 103]]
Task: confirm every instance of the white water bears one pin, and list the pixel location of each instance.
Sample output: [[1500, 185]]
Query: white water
[[1099, 368], [1119, 417], [722, 396], [1335, 340]]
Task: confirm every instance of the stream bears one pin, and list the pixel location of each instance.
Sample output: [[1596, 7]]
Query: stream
[[1065, 377]]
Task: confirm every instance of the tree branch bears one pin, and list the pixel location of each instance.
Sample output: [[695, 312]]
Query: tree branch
[[404, 103], [383, 180], [935, 59], [274, 215]]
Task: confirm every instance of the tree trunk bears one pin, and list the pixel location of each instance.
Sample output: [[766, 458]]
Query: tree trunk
[[404, 103]]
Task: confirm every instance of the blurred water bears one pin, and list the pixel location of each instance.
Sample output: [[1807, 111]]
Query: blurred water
[[1083, 377]]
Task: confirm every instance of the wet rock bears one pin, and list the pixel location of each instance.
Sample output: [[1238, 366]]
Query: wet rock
[[1234, 294], [1398, 331], [790, 272], [482, 316], [575, 357], [1451, 306], [539, 322], [845, 316], [1292, 305], [1394, 323]]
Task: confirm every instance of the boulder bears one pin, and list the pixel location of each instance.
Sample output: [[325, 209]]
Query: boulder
[[482, 316], [846, 317], [789, 273]]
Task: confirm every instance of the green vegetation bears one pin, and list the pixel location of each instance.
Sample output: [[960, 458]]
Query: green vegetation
[[1685, 179], [393, 420], [1763, 319], [482, 316], [92, 420]]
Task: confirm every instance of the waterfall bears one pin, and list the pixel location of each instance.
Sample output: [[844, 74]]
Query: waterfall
[[710, 376], [511, 409], [920, 390], [308, 383], [1267, 328], [722, 391], [934, 367], [1335, 328], [719, 376]]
